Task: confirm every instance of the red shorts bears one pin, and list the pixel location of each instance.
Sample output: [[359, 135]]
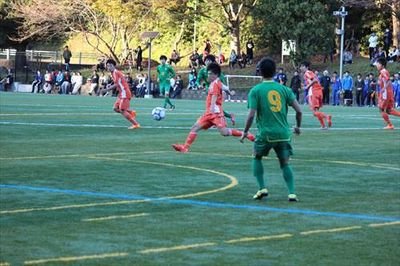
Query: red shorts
[[315, 101], [122, 104], [208, 120]]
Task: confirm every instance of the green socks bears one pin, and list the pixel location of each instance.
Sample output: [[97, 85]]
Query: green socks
[[167, 101], [258, 172], [288, 176], [227, 115]]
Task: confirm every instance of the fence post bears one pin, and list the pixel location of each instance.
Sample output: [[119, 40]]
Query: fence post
[[80, 58], [8, 54], [56, 57]]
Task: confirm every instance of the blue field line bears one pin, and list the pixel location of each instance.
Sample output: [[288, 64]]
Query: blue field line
[[204, 203]]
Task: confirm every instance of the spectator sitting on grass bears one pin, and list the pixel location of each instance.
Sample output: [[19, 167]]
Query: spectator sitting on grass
[[37, 81]]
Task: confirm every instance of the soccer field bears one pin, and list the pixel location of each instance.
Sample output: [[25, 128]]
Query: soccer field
[[78, 188]]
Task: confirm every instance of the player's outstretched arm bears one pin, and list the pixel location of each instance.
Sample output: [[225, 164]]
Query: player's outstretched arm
[[249, 122]]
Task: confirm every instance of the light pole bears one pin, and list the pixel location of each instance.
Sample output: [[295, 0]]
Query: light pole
[[341, 13]]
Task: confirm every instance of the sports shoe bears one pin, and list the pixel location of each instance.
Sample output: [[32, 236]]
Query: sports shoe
[[329, 119], [261, 194], [292, 198], [134, 126], [324, 128], [390, 127], [172, 107], [251, 137], [233, 119], [180, 148]]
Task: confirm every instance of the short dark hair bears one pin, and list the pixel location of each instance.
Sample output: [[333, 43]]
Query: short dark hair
[[210, 57], [111, 61], [382, 61], [267, 67], [306, 64], [214, 68], [163, 57]]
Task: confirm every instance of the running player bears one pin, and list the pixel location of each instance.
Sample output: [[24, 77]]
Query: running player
[[386, 95], [122, 103], [202, 79], [315, 95], [164, 74], [213, 115], [269, 101]]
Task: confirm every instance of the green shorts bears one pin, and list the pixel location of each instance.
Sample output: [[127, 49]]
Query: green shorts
[[283, 149], [164, 87]]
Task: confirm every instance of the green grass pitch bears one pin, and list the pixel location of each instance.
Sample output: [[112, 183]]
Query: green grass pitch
[[78, 188]]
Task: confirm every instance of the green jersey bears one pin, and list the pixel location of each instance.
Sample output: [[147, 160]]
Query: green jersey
[[271, 100], [202, 78], [165, 73]]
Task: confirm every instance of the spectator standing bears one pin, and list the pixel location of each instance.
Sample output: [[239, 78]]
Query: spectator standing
[[232, 59], [280, 77], [387, 41], [76, 82], [365, 89], [249, 51], [139, 58], [393, 55], [347, 57], [373, 43], [192, 79], [359, 84], [371, 91], [94, 83], [8, 81], [178, 86], [242, 60], [396, 88], [326, 83], [336, 88], [295, 84], [207, 49], [67, 57], [48, 82], [37, 82], [347, 85]]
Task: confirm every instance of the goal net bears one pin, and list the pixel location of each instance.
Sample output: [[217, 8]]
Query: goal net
[[241, 84]]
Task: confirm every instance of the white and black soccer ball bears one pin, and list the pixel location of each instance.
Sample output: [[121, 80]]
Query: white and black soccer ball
[[158, 113]]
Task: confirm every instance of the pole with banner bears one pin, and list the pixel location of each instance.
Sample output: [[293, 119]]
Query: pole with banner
[[149, 36]]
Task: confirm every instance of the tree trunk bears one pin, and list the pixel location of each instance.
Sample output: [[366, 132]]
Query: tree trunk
[[235, 35], [396, 25]]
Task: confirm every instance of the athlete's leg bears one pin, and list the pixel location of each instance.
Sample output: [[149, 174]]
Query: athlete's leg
[[258, 171], [234, 132]]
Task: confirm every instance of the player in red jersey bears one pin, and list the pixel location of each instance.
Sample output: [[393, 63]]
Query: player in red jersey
[[214, 114], [122, 103], [386, 94], [315, 94]]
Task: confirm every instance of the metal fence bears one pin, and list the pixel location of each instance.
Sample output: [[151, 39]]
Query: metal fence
[[24, 64]]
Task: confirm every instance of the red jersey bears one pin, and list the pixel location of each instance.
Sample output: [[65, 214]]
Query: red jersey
[[122, 85], [310, 76], [215, 89], [384, 76]]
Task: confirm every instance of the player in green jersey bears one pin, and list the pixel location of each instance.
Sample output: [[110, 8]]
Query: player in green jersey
[[269, 102], [202, 81], [164, 73]]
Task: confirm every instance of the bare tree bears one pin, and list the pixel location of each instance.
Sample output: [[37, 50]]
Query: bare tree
[[46, 19]]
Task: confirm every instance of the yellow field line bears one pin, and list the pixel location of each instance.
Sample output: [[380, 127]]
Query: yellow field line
[[182, 247], [333, 230], [385, 224], [234, 182], [261, 238], [115, 217], [70, 259], [74, 206]]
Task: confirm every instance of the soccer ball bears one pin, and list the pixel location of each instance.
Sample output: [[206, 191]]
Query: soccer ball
[[158, 113]]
